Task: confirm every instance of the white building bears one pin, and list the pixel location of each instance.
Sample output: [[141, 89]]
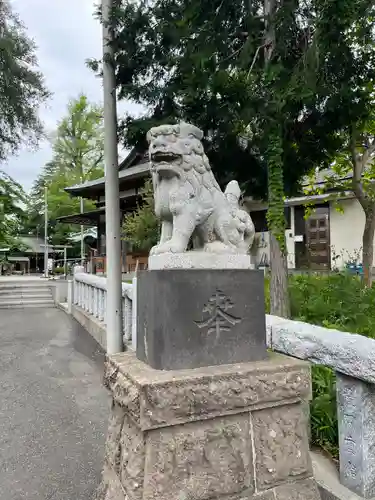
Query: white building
[[328, 239]]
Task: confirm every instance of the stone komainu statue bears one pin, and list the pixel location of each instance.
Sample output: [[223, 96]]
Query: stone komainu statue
[[188, 199]]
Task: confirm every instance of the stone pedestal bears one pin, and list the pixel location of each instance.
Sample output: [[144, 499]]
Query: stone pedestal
[[192, 318], [231, 431]]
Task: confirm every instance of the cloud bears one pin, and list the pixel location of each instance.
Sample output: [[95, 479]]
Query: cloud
[[66, 34]]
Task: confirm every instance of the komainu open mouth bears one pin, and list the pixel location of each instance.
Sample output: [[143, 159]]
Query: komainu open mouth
[[164, 157]]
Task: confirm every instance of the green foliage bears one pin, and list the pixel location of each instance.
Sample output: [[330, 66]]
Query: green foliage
[[204, 62], [350, 101], [58, 270], [79, 139], [338, 301], [12, 198], [77, 157], [270, 83], [141, 227], [353, 164], [22, 87], [275, 212], [323, 410]]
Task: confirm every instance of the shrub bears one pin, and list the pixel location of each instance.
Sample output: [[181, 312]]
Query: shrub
[[58, 270], [142, 228], [339, 301]]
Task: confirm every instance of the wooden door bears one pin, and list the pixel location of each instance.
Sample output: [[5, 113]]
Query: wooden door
[[318, 242]]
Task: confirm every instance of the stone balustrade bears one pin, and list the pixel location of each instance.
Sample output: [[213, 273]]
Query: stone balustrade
[[351, 356], [90, 294]]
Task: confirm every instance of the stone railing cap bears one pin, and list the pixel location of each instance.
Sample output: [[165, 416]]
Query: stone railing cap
[[344, 352], [101, 283]]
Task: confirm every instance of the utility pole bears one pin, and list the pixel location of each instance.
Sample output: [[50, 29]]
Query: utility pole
[[45, 232], [112, 195]]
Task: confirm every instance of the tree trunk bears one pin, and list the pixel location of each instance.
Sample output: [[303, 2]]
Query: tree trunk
[[368, 245], [279, 295]]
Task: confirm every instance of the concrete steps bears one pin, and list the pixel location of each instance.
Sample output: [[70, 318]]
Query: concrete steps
[[25, 293], [22, 303]]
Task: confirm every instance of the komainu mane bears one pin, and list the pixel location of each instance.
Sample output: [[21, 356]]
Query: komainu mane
[[188, 199]]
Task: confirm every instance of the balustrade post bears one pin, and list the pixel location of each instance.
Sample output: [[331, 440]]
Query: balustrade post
[[75, 291], [91, 299], [101, 305], [356, 418], [95, 301], [100, 292], [134, 313], [70, 296], [105, 307], [123, 310], [127, 306]]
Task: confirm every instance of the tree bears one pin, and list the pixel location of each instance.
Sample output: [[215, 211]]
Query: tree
[[77, 157], [261, 78], [141, 227], [12, 200], [351, 101], [22, 89], [279, 296], [190, 60], [362, 153], [79, 144], [354, 171]]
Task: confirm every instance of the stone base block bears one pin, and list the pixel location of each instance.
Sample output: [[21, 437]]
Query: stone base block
[[200, 318], [231, 431]]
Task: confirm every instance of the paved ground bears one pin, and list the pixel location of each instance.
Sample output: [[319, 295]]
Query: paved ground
[[53, 407]]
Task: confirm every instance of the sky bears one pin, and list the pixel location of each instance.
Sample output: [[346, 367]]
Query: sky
[[66, 34]]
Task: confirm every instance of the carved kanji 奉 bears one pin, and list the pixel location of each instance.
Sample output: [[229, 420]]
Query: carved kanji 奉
[[219, 318]]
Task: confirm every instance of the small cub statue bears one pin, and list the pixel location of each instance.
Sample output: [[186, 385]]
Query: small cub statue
[[188, 200]]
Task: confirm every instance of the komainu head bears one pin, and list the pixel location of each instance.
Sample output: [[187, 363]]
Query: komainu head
[[176, 149]]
